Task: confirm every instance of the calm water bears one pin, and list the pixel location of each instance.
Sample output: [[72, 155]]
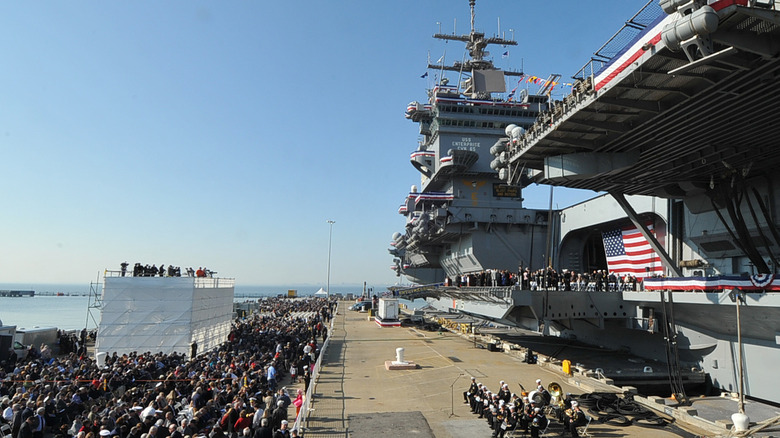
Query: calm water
[[70, 312]]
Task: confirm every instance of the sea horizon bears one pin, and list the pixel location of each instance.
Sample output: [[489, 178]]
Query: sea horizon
[[304, 289], [75, 309]]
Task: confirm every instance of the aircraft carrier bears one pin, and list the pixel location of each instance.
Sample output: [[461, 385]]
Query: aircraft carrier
[[672, 124]]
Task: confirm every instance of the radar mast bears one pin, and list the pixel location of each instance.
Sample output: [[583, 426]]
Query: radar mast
[[475, 44]]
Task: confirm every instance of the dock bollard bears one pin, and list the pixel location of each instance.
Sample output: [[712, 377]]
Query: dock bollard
[[399, 355], [400, 363], [741, 421]]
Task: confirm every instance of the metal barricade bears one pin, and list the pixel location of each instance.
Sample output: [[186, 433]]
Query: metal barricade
[[303, 414]]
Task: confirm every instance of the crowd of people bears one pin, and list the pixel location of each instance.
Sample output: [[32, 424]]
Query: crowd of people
[[568, 280], [233, 391], [69, 342], [488, 277], [548, 279], [506, 411], [74, 342], [140, 270]]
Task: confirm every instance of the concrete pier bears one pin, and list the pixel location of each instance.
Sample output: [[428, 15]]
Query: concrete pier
[[17, 293], [357, 397]]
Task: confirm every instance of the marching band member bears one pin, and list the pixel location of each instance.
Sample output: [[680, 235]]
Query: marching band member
[[538, 423], [573, 419]]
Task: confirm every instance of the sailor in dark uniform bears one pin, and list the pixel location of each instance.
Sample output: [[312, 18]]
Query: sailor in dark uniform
[[525, 417], [573, 418], [491, 416], [472, 390], [510, 421], [486, 404], [475, 399], [283, 431], [499, 421], [504, 393], [538, 423], [483, 403]]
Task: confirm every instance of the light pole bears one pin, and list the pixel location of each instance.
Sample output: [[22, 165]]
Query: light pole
[[740, 419], [330, 239]]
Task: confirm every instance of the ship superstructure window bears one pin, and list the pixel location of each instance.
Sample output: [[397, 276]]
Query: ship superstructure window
[[485, 110], [449, 122]]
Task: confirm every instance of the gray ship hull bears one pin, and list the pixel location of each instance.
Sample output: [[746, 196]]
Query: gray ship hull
[[629, 322], [677, 128]]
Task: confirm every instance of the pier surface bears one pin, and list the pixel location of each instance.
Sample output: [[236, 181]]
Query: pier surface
[[17, 293], [357, 397]]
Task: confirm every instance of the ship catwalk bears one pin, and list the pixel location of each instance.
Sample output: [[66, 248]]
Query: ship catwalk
[[675, 133]]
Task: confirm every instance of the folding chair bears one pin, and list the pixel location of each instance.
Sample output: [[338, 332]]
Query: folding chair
[[583, 430], [5, 430], [551, 411], [546, 428], [510, 432]]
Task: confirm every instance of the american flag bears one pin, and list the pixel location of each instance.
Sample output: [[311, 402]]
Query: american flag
[[629, 253]]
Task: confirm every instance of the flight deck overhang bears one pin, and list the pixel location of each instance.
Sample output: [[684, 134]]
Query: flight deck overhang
[[660, 123]]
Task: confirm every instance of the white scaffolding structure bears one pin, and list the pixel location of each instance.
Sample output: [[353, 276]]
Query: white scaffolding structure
[[164, 314]]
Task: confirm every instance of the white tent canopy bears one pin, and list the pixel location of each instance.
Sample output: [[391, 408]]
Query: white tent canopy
[[321, 293]]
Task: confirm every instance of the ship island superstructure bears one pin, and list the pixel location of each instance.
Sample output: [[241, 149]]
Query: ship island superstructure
[[463, 218], [676, 127]]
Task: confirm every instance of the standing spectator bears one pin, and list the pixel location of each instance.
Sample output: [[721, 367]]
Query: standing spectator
[[26, 428], [264, 431], [282, 432], [271, 376], [298, 402]]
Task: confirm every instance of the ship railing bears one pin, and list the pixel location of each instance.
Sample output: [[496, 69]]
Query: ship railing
[[582, 91], [493, 294], [214, 283], [772, 5], [129, 273], [505, 292], [591, 286], [583, 88], [625, 37], [608, 286], [199, 282]]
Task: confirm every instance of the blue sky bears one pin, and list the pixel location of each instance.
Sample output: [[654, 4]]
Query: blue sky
[[226, 134]]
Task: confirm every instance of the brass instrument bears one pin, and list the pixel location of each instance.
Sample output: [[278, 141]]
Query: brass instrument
[[556, 392], [537, 397], [524, 393]]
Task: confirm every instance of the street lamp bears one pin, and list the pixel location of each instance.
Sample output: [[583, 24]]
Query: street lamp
[[330, 239]]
